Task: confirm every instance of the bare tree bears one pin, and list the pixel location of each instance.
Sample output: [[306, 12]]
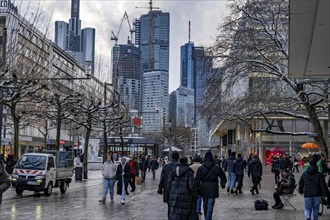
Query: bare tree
[[252, 50]]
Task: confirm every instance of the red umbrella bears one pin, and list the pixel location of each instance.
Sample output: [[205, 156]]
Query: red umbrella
[[309, 145]]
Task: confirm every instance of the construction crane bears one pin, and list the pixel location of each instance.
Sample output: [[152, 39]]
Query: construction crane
[[131, 30], [150, 33]]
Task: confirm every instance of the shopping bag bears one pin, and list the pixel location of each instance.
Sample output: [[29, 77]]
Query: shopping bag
[[137, 180]]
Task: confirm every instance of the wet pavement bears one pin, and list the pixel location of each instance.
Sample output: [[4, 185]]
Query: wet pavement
[[81, 202]]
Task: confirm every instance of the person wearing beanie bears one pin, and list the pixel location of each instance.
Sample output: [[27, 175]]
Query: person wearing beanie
[[162, 186], [207, 180], [312, 185]]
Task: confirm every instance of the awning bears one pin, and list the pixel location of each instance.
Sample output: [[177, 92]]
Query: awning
[[223, 127], [309, 39]]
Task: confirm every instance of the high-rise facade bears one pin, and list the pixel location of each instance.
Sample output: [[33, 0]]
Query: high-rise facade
[[187, 65], [181, 107], [154, 100], [154, 47], [127, 72], [79, 43], [152, 36]]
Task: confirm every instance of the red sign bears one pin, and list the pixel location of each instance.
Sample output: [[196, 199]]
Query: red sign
[[62, 142], [137, 121]]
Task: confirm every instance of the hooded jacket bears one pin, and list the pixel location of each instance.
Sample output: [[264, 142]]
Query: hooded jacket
[[207, 178], [182, 193], [108, 170], [255, 168], [312, 183], [162, 186], [239, 166], [5, 181], [120, 169]]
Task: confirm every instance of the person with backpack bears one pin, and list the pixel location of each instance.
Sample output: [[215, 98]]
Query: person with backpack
[[285, 186], [207, 181], [312, 186], [276, 169]]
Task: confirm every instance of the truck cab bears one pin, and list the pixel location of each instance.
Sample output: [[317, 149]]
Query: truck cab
[[41, 172]]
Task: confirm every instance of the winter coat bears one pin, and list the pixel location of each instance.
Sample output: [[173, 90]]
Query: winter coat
[[108, 170], [239, 166], [120, 177], [276, 166], [154, 164], [255, 169], [287, 185], [312, 183], [229, 166], [207, 179], [134, 167], [195, 167], [162, 186], [286, 164], [182, 193], [144, 164], [5, 181]]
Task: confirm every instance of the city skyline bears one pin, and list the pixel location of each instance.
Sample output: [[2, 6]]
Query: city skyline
[[205, 17]]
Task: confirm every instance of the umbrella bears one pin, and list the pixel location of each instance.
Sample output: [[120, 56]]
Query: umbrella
[[172, 149], [309, 145]]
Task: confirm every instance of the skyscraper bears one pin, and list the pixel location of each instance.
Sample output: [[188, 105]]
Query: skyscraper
[[152, 36], [154, 100], [159, 40], [187, 65], [79, 43], [126, 62]]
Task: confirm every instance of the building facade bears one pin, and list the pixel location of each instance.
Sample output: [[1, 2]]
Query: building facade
[[79, 43], [154, 47], [154, 100]]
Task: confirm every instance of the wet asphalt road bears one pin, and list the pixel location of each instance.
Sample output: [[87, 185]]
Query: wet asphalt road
[[81, 202]]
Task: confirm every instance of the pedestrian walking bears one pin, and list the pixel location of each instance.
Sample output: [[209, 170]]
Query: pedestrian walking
[[285, 186], [122, 175], [108, 171], [144, 164], [154, 167], [295, 165], [239, 167], [5, 181], [229, 168], [312, 186], [255, 171], [10, 163], [286, 163], [207, 181], [182, 192], [197, 163], [162, 186], [276, 168], [134, 172]]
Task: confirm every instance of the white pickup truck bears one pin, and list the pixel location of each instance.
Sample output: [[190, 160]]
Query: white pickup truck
[[43, 171]]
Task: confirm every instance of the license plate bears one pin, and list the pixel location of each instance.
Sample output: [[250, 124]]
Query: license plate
[[32, 183]]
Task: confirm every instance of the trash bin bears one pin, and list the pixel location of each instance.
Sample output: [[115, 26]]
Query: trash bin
[[78, 172]]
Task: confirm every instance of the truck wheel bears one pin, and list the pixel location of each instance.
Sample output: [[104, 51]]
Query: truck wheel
[[49, 189], [63, 187], [19, 192]]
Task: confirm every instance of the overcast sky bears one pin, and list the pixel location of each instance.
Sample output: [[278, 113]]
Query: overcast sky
[[105, 16]]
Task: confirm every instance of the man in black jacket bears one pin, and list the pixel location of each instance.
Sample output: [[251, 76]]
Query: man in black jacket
[[207, 180], [162, 186], [239, 167], [312, 185]]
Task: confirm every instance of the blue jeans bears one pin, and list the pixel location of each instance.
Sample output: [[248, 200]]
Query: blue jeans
[[231, 180], [199, 204], [108, 184], [312, 205], [208, 204]]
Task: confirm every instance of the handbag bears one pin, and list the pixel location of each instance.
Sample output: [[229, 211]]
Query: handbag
[[137, 180], [261, 204]]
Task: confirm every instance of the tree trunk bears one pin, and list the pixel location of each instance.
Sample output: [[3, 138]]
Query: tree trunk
[[105, 142], [58, 129], [88, 133], [16, 131]]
